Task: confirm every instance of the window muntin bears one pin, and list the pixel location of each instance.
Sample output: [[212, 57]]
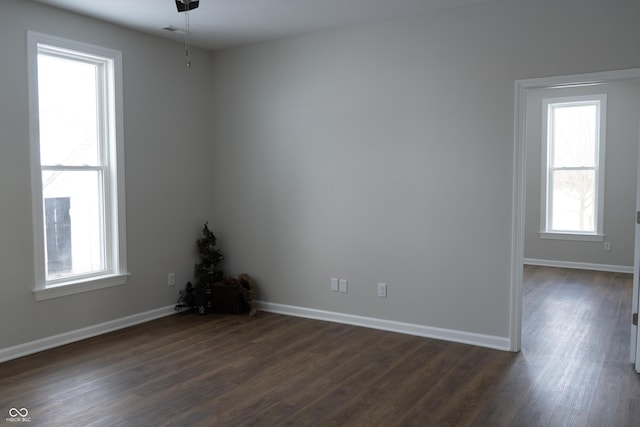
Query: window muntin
[[77, 160], [573, 167]]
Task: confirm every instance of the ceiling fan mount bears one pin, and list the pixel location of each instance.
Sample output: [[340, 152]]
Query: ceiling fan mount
[[187, 5]]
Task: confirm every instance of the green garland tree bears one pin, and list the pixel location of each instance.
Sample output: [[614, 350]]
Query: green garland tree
[[208, 271]]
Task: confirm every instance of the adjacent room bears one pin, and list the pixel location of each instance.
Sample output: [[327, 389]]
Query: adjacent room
[[380, 169]]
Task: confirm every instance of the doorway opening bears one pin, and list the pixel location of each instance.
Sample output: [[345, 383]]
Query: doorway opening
[[523, 183]]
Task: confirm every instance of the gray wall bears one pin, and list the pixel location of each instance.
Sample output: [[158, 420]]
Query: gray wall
[[167, 173], [384, 152], [380, 152], [622, 139]]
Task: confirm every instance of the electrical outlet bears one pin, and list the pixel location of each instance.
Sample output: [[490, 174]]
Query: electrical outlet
[[171, 279], [382, 290], [334, 284], [607, 246], [343, 285]]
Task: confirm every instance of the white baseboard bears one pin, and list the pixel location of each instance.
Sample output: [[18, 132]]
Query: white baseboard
[[80, 334], [498, 343], [489, 341], [578, 265]]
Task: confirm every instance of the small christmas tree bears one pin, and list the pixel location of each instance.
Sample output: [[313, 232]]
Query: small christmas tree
[[208, 270], [214, 293]]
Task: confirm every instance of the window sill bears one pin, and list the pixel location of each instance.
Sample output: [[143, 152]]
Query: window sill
[[77, 287], [572, 236]]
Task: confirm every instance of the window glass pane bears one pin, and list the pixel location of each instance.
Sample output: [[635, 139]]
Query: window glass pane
[[573, 200], [73, 222], [574, 135], [68, 113]]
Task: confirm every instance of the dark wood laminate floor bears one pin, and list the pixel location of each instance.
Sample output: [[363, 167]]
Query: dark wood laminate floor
[[274, 370]]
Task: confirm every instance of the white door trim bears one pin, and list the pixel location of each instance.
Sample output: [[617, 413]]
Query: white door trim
[[634, 349], [519, 177]]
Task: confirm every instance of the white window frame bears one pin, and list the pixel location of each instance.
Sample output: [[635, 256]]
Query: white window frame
[[114, 197], [546, 197]]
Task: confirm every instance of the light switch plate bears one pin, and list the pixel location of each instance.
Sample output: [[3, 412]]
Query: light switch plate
[[382, 290]]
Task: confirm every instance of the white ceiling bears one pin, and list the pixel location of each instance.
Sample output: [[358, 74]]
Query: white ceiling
[[223, 23]]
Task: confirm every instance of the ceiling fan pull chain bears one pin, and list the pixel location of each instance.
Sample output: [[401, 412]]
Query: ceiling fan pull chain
[[186, 36]]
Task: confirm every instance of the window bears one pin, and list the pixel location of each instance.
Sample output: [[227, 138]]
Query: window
[[573, 168], [77, 166]]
